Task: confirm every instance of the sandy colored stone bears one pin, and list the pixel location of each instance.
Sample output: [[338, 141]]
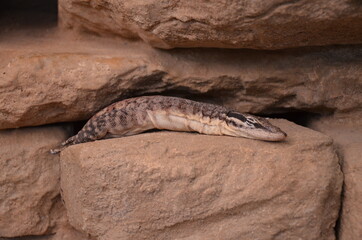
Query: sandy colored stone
[[62, 229], [67, 232], [64, 232], [29, 180], [253, 24], [347, 135], [47, 81], [170, 185]]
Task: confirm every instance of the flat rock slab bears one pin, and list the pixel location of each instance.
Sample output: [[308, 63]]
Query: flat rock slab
[[347, 135], [257, 24], [63, 80], [29, 180], [169, 185]]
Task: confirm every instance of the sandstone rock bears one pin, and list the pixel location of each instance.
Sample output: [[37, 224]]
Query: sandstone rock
[[66, 232], [70, 81], [169, 185], [62, 229], [29, 180], [347, 135], [223, 24]]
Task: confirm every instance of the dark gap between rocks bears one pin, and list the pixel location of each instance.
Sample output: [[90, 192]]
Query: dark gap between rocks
[[30, 237], [302, 118], [337, 227], [77, 126], [28, 15]]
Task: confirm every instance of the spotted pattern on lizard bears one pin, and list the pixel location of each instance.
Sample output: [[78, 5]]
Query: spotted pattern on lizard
[[136, 115]]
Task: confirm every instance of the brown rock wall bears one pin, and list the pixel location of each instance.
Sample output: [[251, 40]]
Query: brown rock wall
[[183, 186], [191, 186], [57, 85], [347, 135], [253, 24], [29, 181]]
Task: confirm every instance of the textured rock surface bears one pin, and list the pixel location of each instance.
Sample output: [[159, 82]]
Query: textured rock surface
[[29, 180], [66, 232], [171, 185], [347, 135], [69, 80], [254, 24], [62, 229]]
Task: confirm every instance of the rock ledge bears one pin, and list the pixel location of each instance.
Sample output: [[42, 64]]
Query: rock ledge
[[169, 185]]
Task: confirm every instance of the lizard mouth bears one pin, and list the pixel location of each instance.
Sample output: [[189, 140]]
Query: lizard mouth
[[275, 135]]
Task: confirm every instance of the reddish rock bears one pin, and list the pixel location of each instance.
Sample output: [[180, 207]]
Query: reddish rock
[[74, 80], [171, 185], [347, 135], [256, 24], [29, 181]]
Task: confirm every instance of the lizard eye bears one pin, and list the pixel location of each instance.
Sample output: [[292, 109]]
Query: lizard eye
[[250, 120], [247, 121]]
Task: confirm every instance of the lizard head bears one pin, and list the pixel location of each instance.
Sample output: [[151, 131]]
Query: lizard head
[[249, 126]]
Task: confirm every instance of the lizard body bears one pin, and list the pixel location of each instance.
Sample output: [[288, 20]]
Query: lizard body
[[136, 115]]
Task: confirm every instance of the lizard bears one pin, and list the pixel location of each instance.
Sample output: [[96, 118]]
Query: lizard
[[135, 115]]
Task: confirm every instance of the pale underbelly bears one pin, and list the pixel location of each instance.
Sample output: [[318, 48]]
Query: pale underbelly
[[167, 121]]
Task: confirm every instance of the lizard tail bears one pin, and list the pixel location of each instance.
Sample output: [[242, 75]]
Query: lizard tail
[[68, 142], [84, 135]]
